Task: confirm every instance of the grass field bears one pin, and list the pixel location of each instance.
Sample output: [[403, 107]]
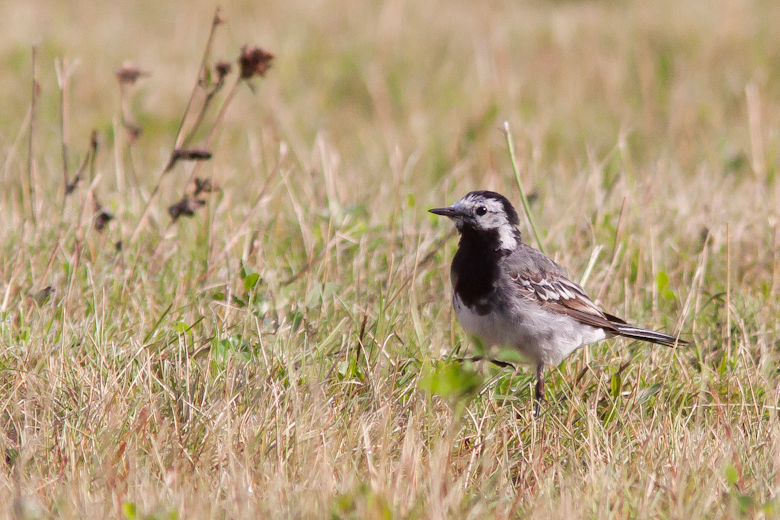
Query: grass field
[[287, 351]]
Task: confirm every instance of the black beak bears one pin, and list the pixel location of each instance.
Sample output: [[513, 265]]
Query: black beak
[[446, 212]]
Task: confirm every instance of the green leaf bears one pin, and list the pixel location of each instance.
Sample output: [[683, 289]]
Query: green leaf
[[662, 282], [181, 327], [647, 393], [745, 503], [343, 504], [245, 271], [616, 384], [732, 475], [157, 323], [250, 281], [349, 369], [377, 508], [129, 510], [296, 319], [66, 267], [451, 380], [236, 344]]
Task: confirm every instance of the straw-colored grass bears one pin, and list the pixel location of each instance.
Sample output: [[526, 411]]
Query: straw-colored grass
[[163, 379]]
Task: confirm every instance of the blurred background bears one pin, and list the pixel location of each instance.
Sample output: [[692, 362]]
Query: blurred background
[[664, 81], [673, 104]]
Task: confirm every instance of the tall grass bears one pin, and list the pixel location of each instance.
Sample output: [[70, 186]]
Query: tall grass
[[286, 352]]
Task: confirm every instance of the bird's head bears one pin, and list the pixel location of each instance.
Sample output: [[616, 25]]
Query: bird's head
[[484, 212]]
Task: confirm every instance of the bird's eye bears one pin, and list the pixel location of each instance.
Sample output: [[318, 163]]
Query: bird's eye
[[481, 211]]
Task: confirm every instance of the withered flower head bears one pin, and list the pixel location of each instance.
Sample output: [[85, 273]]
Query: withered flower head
[[187, 154], [102, 216], [203, 186], [192, 154], [134, 131], [71, 186], [219, 18], [185, 208], [129, 73], [222, 68], [254, 61]]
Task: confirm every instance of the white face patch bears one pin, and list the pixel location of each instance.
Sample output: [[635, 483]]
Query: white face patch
[[506, 237], [493, 218]]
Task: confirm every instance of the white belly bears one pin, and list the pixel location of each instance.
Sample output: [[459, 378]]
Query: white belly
[[540, 336]]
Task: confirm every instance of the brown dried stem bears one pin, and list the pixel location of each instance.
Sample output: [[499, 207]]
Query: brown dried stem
[[217, 125], [89, 159], [63, 76], [31, 177], [216, 21], [253, 61], [215, 88], [64, 71]]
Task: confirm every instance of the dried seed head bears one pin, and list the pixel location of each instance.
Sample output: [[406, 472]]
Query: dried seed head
[[254, 61], [222, 68], [185, 208], [219, 18], [102, 216], [203, 186], [191, 154], [73, 184], [134, 131], [187, 154], [129, 73]]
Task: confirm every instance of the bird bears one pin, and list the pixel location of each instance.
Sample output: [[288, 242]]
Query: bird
[[506, 293]]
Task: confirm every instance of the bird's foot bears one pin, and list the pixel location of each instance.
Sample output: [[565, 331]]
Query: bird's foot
[[498, 363]]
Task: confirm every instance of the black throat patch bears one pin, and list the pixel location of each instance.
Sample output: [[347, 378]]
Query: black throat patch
[[475, 268]]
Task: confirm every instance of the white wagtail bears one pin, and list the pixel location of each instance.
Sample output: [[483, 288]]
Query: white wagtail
[[506, 293]]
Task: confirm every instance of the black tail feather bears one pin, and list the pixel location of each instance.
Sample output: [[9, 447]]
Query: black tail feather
[[648, 335]]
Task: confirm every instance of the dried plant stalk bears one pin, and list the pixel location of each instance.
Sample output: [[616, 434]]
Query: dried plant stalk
[[31, 166]]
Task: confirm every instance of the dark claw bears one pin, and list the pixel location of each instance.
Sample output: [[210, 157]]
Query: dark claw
[[500, 364]]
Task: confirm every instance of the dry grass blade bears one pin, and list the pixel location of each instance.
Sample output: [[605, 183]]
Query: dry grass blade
[[32, 178]]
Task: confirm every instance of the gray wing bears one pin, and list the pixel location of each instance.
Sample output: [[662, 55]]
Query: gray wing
[[539, 279]]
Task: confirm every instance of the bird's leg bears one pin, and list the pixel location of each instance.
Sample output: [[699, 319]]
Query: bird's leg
[[539, 394]]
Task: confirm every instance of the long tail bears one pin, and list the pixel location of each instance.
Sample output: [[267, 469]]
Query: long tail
[[648, 335]]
